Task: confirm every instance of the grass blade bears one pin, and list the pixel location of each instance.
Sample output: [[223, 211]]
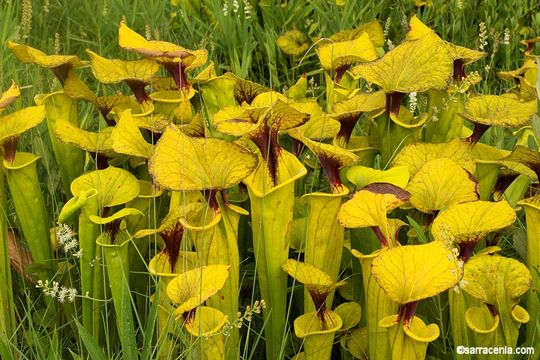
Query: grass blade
[[96, 353]]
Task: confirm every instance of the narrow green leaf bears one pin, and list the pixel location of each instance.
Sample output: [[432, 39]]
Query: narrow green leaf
[[129, 341], [418, 229], [74, 355], [150, 327], [54, 351], [535, 122], [538, 292], [4, 349], [96, 353]]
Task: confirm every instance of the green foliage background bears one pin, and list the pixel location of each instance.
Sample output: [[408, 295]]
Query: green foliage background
[[241, 41]]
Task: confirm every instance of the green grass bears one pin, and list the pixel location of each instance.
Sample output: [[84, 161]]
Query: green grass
[[241, 42]]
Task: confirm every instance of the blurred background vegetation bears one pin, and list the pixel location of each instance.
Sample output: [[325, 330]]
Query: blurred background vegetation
[[240, 35]]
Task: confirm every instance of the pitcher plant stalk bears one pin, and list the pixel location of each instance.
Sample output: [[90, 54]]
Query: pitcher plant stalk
[[173, 260], [464, 226], [216, 243], [368, 208], [59, 106], [433, 268], [7, 311], [317, 328], [271, 191], [115, 242], [23, 181], [190, 290], [532, 213], [93, 194], [324, 236], [272, 214], [498, 320]]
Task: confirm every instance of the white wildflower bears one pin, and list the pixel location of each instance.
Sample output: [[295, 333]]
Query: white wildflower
[[147, 32], [247, 9], [53, 289], [26, 18], [62, 294], [246, 317], [387, 25], [483, 35], [413, 102], [66, 238], [57, 43], [506, 37], [71, 294], [105, 10]]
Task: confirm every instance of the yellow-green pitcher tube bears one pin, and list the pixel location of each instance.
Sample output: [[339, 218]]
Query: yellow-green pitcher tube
[[444, 123], [217, 243], [88, 232], [69, 158], [389, 137], [7, 314], [271, 219], [377, 306], [23, 182], [459, 302], [206, 336], [116, 260], [147, 203], [403, 346], [168, 348], [159, 266], [487, 174], [324, 238], [532, 217], [484, 329], [318, 335], [336, 92]]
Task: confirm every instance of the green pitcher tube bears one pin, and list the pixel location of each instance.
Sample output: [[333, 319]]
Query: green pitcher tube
[[160, 267], [487, 174], [7, 315], [272, 215], [319, 338], [389, 137], [69, 158], [206, 335], [88, 232], [459, 302], [532, 216], [324, 237], [404, 346], [23, 182], [445, 124], [116, 258], [377, 306], [217, 243]]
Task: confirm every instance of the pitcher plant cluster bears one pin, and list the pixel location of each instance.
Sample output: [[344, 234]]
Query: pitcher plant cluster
[[374, 215]]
